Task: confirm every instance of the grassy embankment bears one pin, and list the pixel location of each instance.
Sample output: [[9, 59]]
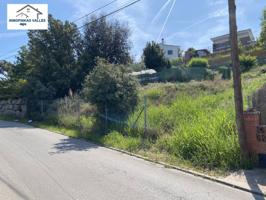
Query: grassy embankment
[[190, 125]]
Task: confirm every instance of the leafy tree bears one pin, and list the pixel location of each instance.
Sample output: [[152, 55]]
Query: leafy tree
[[5, 68], [51, 59], [263, 29], [110, 86], [9, 86], [154, 57], [22, 68], [198, 62], [106, 40]]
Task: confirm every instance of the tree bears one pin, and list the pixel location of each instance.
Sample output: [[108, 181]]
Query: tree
[[237, 79], [22, 68], [111, 87], [51, 59], [5, 68], [263, 29], [106, 40], [190, 53], [154, 57]]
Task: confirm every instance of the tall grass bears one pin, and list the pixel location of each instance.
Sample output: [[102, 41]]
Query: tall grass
[[193, 122]]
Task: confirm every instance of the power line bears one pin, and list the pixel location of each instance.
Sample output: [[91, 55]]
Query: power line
[[111, 13], [9, 52], [9, 57], [94, 11], [166, 20], [4, 58]]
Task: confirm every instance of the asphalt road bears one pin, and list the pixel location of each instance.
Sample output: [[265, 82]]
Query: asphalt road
[[38, 164]]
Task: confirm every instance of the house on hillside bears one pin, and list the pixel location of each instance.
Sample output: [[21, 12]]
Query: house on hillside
[[203, 53], [200, 53], [170, 51], [222, 43], [29, 11]]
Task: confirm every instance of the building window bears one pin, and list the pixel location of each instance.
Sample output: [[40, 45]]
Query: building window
[[170, 52]]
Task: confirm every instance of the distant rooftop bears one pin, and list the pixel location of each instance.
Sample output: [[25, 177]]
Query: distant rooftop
[[164, 44], [246, 32]]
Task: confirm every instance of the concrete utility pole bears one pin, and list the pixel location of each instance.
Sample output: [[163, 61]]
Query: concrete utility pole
[[237, 79]]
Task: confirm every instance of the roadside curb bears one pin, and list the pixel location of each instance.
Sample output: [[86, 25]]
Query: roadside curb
[[210, 178]]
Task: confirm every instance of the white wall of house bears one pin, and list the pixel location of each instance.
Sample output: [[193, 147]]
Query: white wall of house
[[170, 51]]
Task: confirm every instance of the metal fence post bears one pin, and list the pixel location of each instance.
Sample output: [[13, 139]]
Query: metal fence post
[[145, 116], [106, 118], [42, 109]]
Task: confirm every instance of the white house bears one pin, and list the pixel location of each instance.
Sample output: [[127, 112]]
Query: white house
[[222, 43], [170, 51]]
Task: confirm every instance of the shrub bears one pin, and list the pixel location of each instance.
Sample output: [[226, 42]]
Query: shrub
[[177, 62], [111, 87], [67, 111], [247, 62], [198, 62], [225, 72]]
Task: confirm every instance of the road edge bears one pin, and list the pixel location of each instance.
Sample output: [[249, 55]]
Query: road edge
[[191, 172], [169, 166]]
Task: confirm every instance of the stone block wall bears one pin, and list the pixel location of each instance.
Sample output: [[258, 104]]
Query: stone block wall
[[16, 107]]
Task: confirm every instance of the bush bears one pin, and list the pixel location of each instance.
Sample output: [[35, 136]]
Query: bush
[[177, 62], [111, 87], [225, 72], [247, 62], [198, 62]]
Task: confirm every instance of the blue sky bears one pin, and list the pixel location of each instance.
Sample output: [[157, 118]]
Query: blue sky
[[190, 24]]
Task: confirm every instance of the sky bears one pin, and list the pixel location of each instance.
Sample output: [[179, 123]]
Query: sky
[[187, 23]]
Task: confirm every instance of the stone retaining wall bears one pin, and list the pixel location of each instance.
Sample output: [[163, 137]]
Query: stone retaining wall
[[15, 107]]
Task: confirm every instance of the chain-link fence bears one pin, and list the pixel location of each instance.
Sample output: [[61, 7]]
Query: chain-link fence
[[73, 112]]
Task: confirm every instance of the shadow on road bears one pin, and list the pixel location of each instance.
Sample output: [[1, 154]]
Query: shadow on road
[[69, 144], [254, 179]]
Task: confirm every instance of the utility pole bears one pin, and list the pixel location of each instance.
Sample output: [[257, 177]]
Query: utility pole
[[237, 79]]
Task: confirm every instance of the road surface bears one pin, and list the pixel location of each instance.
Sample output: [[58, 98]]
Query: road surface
[[38, 164]]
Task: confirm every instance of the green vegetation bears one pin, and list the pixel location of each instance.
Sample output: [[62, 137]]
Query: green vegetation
[[263, 30], [247, 62], [189, 124], [173, 74], [177, 62], [56, 61], [111, 87], [198, 62], [154, 57]]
